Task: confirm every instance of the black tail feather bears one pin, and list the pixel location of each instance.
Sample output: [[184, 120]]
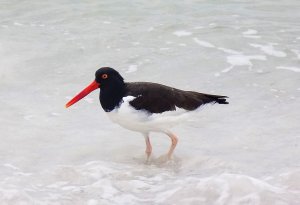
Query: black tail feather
[[222, 100], [190, 100], [218, 99]]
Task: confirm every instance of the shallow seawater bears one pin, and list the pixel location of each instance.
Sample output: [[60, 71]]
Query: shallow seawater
[[246, 152]]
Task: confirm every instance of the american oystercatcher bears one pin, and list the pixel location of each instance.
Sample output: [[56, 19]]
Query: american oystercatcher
[[143, 106]]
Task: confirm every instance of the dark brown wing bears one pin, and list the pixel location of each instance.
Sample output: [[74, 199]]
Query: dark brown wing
[[157, 98]]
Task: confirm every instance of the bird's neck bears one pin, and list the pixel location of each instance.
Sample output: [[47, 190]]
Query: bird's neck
[[111, 97]]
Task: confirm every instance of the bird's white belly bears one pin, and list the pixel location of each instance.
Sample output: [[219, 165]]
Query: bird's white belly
[[142, 121]]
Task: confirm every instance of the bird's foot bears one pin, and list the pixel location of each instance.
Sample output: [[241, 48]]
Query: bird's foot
[[165, 158], [148, 157], [171, 162]]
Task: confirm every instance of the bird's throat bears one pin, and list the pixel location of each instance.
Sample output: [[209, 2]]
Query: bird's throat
[[111, 98]]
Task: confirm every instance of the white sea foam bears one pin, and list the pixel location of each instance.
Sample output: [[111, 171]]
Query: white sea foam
[[182, 33], [269, 50], [212, 25], [250, 32], [203, 43], [18, 24], [105, 182], [230, 51], [295, 69], [198, 27], [242, 60], [132, 68], [252, 36], [11, 166]]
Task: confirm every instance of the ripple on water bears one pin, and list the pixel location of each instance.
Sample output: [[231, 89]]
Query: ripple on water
[[101, 182]]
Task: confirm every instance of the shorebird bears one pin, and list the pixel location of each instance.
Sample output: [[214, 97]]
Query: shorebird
[[143, 106]]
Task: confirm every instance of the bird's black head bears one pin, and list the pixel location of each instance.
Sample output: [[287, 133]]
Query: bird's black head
[[108, 78], [112, 88], [111, 85]]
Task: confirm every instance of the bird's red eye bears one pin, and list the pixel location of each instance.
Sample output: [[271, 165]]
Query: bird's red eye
[[104, 76]]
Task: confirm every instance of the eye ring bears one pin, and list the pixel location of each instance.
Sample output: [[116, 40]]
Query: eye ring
[[104, 76]]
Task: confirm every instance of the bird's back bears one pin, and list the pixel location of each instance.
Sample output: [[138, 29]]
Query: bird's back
[[157, 98]]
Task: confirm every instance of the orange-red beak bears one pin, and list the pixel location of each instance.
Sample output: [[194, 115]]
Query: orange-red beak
[[93, 86]]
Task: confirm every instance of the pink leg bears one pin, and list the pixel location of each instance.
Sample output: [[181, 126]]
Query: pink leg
[[174, 140], [148, 145]]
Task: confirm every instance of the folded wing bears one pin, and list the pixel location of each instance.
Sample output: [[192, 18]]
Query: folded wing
[[148, 97]]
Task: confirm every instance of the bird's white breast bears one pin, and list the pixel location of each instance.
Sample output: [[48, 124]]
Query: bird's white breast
[[143, 121]]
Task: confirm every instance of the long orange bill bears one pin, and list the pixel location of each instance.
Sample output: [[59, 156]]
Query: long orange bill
[[93, 86]]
